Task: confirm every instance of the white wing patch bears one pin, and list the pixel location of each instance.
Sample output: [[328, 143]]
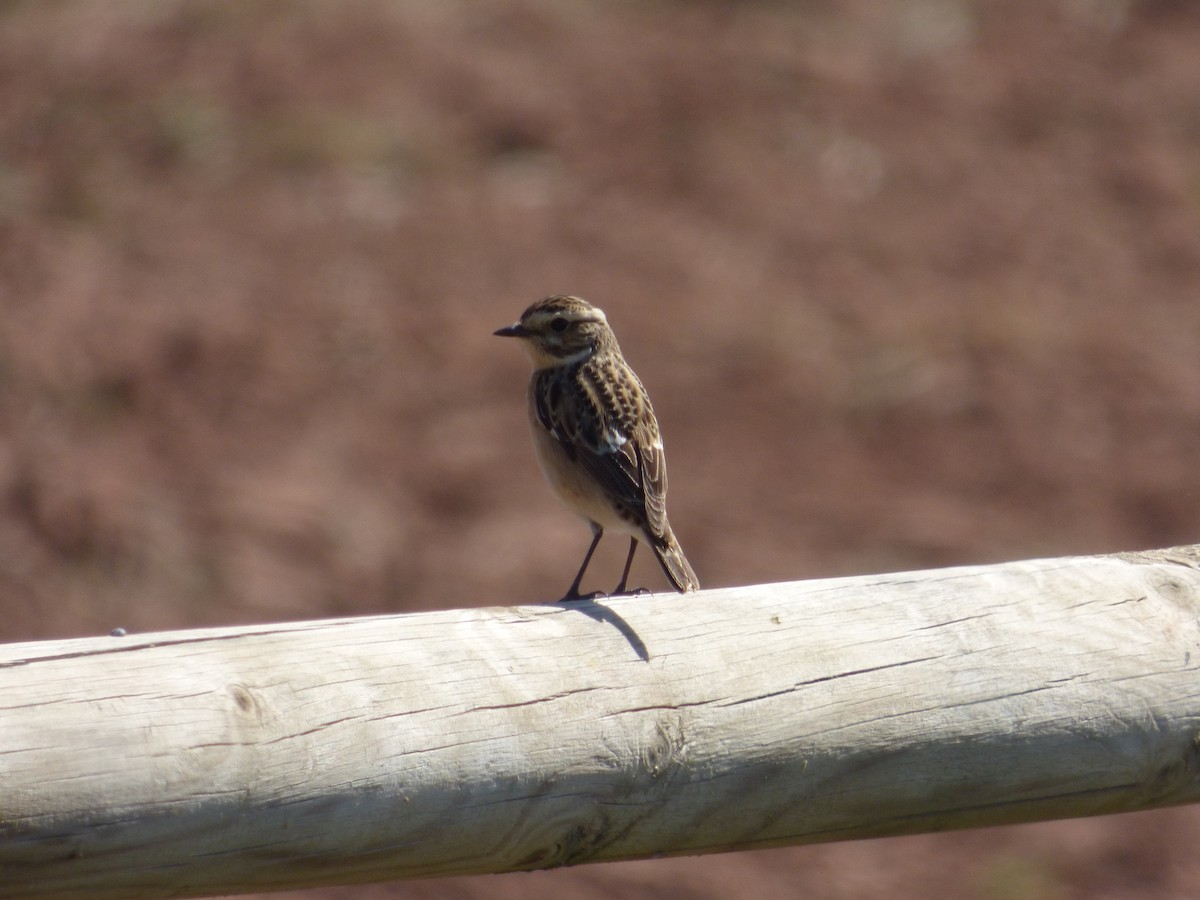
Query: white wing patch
[[613, 440]]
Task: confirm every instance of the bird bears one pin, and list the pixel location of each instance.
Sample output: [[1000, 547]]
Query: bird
[[595, 436]]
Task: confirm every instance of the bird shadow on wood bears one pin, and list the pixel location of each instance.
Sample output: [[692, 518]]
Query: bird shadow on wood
[[599, 613]]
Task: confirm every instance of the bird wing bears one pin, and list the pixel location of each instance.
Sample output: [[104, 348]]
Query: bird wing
[[602, 418]]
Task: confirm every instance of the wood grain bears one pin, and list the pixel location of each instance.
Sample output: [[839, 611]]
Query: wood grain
[[486, 740]]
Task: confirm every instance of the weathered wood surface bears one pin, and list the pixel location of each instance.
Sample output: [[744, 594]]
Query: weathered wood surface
[[486, 740]]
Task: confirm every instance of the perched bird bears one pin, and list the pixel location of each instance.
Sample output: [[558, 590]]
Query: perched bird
[[595, 433]]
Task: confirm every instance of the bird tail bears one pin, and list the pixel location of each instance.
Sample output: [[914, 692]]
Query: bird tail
[[674, 563]]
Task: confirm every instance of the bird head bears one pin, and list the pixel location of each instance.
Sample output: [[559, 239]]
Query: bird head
[[561, 330]]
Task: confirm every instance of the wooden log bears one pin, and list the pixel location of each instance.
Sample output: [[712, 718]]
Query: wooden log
[[488, 740]]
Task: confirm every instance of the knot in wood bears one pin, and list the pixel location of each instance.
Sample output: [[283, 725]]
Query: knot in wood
[[1177, 589], [244, 699], [663, 752]]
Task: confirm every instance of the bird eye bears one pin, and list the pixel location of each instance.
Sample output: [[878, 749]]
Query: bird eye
[[558, 324]]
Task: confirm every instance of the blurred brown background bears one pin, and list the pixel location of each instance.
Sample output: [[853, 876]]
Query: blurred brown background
[[912, 283]]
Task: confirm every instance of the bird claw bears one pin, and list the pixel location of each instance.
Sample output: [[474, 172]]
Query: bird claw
[[576, 597], [632, 592]]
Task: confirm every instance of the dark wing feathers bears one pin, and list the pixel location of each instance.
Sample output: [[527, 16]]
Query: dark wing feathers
[[603, 419], [654, 478]]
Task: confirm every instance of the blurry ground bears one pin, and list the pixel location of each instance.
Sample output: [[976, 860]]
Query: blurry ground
[[912, 284]]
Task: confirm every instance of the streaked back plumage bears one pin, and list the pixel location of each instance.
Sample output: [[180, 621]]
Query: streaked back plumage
[[597, 414]]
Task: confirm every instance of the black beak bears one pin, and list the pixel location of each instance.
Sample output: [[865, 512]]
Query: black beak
[[517, 330]]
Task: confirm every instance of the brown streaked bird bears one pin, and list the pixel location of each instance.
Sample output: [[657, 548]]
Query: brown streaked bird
[[595, 434]]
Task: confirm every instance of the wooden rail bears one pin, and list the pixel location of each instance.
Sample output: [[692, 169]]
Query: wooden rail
[[487, 740]]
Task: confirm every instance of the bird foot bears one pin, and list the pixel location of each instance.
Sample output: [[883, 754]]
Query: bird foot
[[576, 597], [623, 591]]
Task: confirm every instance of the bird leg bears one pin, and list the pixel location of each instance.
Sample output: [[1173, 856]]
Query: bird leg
[[573, 590], [620, 589]]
